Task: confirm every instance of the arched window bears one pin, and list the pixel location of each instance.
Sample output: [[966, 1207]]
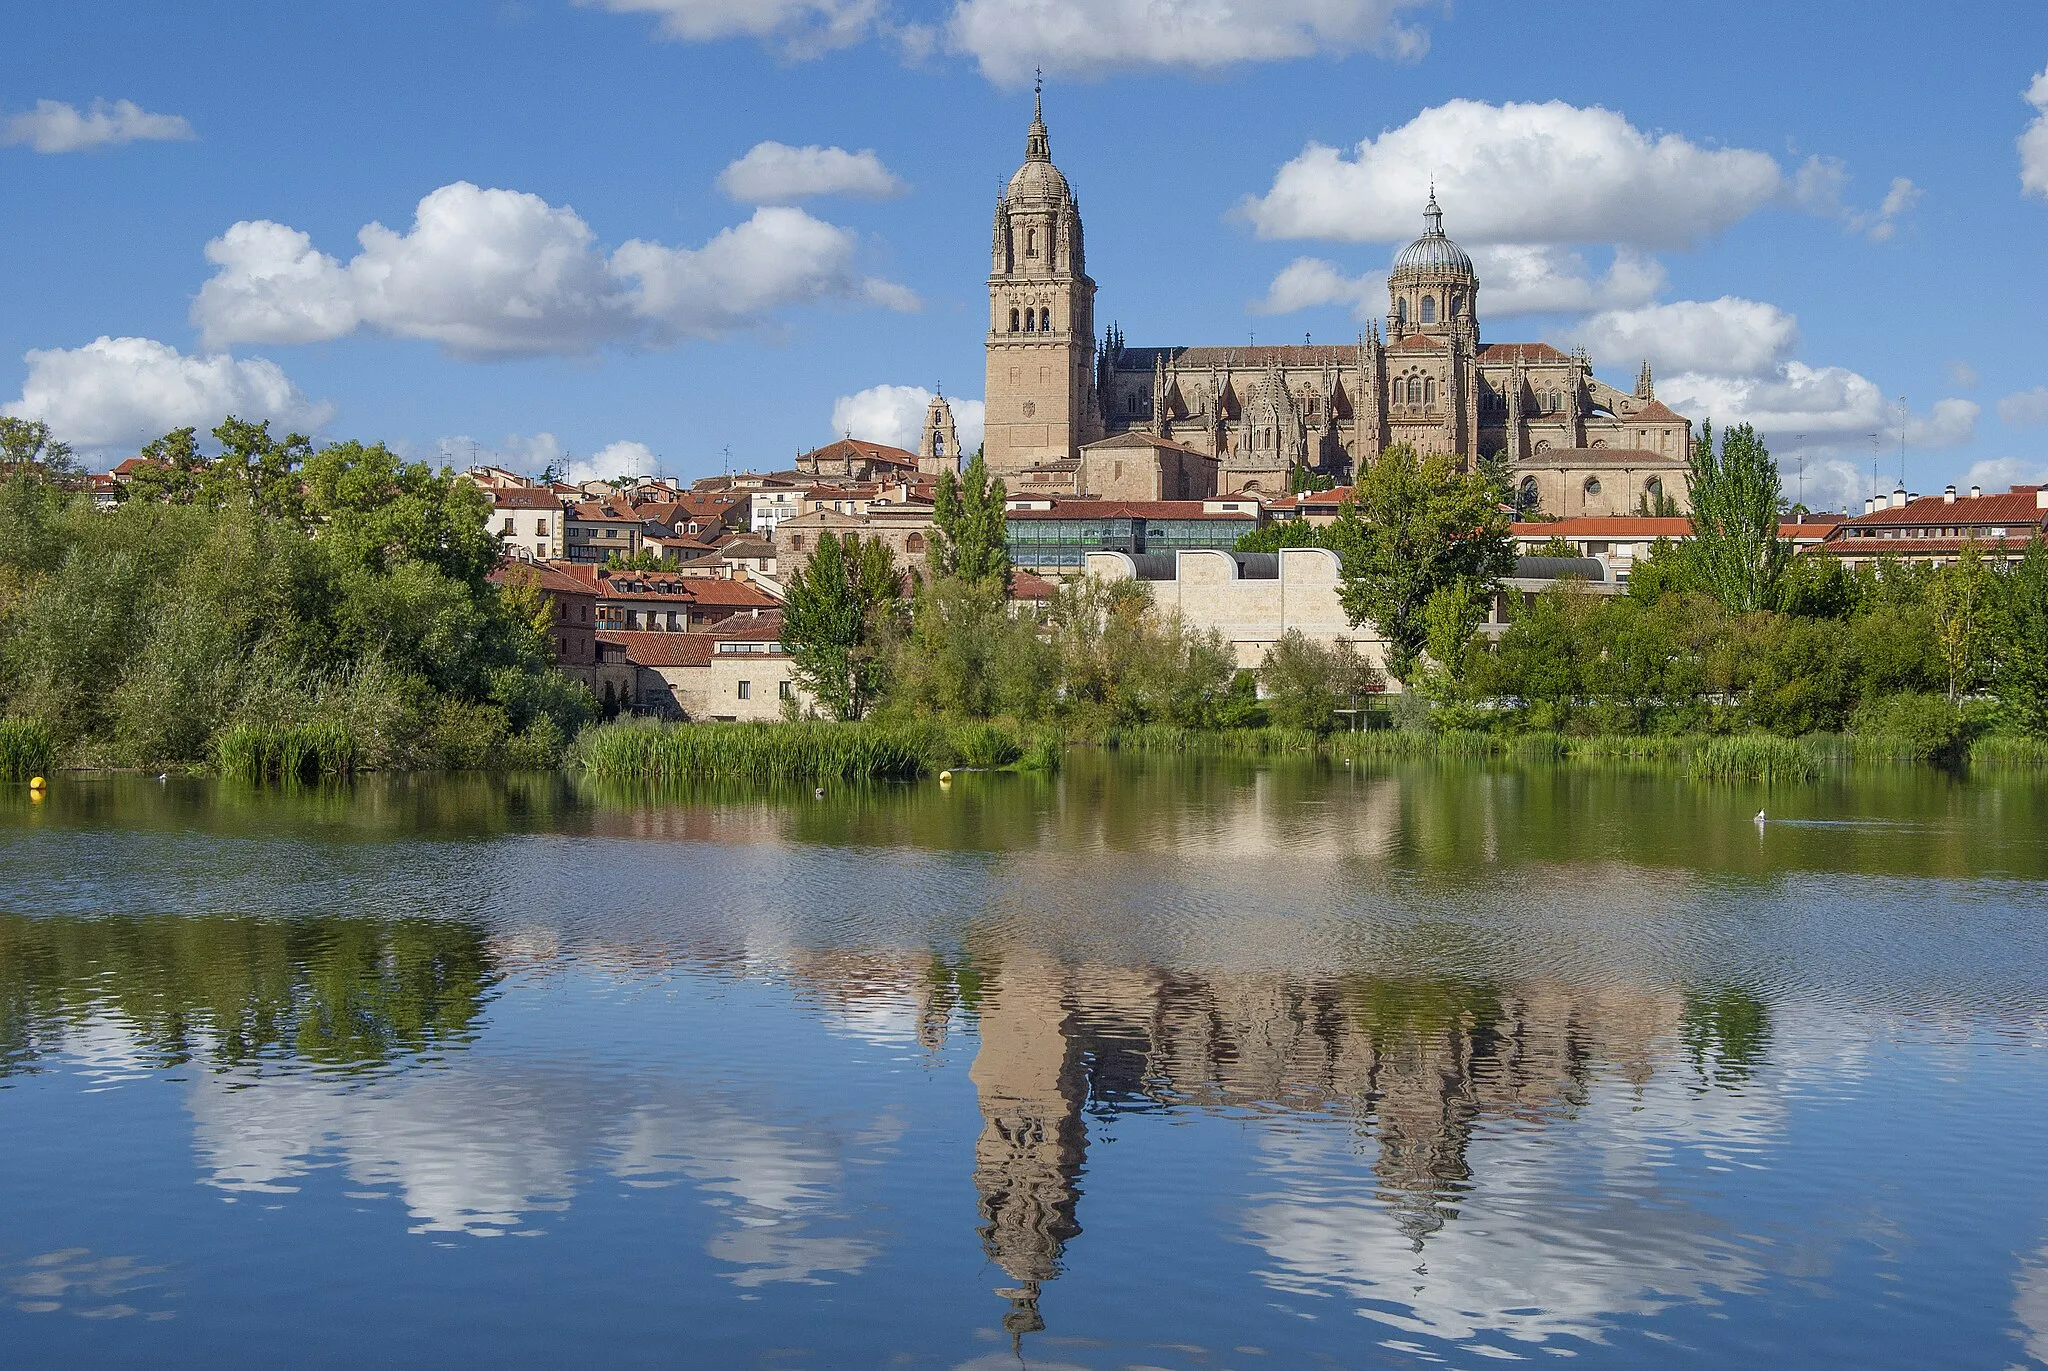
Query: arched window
[[1031, 321], [938, 445], [1045, 321], [1013, 321], [1401, 310], [1429, 390], [1654, 488], [1529, 493], [914, 543], [1030, 242], [1457, 305], [1429, 309]]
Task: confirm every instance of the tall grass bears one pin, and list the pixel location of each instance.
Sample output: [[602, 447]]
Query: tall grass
[[1227, 742], [763, 754], [985, 746], [253, 753], [26, 749], [1755, 757], [2005, 750]]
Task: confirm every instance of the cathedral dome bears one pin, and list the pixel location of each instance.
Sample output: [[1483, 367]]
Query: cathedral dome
[[1037, 181], [1433, 252]]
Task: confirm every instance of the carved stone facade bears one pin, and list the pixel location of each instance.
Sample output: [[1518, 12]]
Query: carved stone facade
[[938, 447], [1262, 412]]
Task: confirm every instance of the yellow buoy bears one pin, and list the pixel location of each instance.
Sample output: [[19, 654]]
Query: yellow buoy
[[35, 783], [945, 778]]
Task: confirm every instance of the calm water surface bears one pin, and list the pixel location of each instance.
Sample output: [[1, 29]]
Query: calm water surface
[[1175, 1065]]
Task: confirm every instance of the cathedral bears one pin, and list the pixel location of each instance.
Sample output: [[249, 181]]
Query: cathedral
[[1061, 401]]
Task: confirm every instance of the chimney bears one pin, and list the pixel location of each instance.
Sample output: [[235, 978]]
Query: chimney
[[1976, 492], [1948, 497], [2041, 497], [1899, 498], [1870, 504]]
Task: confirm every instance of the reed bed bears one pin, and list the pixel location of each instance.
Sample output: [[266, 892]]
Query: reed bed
[[2000, 750], [255, 753], [1203, 742], [1755, 757], [762, 754], [986, 746], [26, 749]]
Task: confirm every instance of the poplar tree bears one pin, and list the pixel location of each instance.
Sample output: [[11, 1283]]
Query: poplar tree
[[972, 514], [1735, 497]]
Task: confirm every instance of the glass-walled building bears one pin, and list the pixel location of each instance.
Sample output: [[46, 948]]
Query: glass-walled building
[[1055, 536]]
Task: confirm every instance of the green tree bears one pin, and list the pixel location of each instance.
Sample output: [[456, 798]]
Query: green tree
[[1307, 682], [966, 654], [1276, 534], [2019, 644], [173, 472], [1413, 527], [1961, 598], [834, 619], [29, 442], [1735, 496], [972, 514], [257, 469]]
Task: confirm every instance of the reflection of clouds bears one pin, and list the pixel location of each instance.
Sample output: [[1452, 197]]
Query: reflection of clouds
[[1554, 1235], [477, 1148], [2030, 1306], [73, 1280]]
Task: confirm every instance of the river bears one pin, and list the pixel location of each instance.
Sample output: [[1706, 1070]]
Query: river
[[1149, 1064]]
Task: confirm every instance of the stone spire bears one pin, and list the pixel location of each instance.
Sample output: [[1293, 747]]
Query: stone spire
[[1646, 388], [1038, 142]]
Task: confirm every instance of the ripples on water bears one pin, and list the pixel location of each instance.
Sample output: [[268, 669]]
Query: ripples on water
[[1166, 1065]]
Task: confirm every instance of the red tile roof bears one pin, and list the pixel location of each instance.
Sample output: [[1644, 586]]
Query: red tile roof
[[860, 449], [548, 575], [1026, 586], [1656, 412], [524, 499], [1635, 526], [1138, 438], [2017, 506]]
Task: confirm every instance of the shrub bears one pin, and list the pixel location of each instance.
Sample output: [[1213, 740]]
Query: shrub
[[1924, 728], [254, 753]]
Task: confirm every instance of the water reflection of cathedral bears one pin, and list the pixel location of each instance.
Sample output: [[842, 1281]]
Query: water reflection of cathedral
[[1417, 1065]]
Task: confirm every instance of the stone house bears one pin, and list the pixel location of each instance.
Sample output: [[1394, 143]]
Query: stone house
[[734, 673]]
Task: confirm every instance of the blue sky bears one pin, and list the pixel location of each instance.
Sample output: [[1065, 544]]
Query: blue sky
[[1802, 213]]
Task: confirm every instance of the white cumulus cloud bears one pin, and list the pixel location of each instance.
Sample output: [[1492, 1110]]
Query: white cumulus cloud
[[2026, 408], [1514, 279], [532, 454], [53, 126], [1821, 186], [1009, 38], [1999, 474], [777, 174], [1724, 337], [796, 28], [1833, 407], [895, 415], [2034, 142], [491, 273], [121, 392], [1548, 173]]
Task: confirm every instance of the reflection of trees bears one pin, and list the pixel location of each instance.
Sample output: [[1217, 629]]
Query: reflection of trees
[[330, 990]]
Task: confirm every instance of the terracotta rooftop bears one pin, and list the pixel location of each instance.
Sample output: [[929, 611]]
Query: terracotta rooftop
[[1522, 352], [1655, 412], [2017, 506], [1249, 358], [1635, 526], [1138, 437], [547, 575], [860, 450], [1604, 457], [524, 499]]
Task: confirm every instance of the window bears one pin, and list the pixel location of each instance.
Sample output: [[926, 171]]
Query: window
[[1031, 321], [786, 690], [1030, 242], [508, 526], [1429, 309], [938, 445], [1654, 488], [1401, 310], [914, 543], [746, 690], [1414, 390], [1045, 321], [1592, 486], [1013, 321], [1428, 391], [796, 542], [1457, 306]]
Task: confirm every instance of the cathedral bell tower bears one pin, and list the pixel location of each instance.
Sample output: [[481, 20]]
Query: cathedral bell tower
[[1042, 401], [1433, 288]]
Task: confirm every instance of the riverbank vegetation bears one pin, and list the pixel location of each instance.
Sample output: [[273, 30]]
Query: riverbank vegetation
[[277, 609], [804, 752]]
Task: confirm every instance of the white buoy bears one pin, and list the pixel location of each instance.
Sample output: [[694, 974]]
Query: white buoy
[[1759, 816]]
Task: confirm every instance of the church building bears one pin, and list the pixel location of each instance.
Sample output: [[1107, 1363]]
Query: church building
[[1574, 444]]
